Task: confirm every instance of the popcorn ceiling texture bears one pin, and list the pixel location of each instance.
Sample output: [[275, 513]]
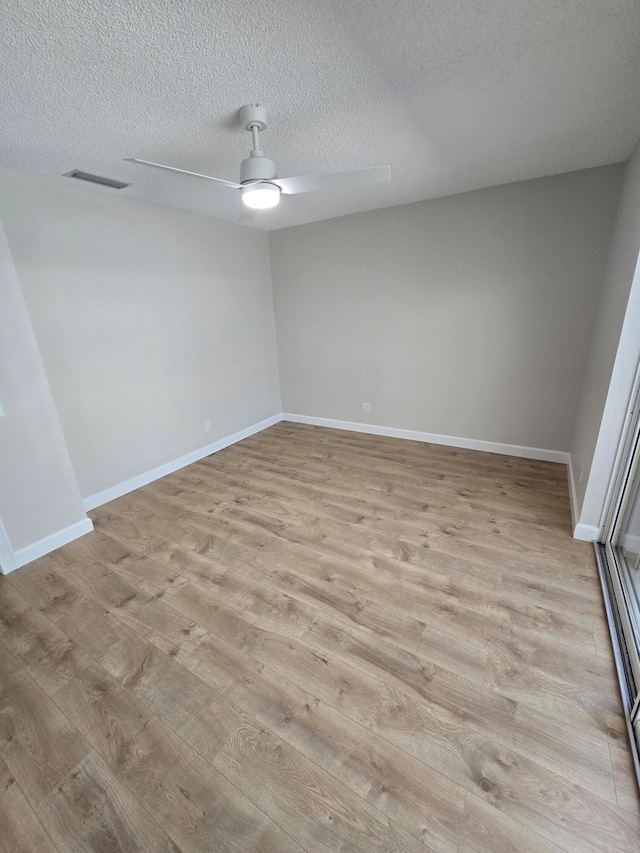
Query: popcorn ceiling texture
[[453, 95]]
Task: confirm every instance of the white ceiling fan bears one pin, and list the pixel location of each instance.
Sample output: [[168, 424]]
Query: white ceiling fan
[[259, 182]]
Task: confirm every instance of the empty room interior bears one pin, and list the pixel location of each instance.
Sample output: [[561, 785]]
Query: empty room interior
[[320, 426]]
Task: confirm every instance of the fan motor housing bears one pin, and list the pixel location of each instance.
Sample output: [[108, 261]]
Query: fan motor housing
[[257, 169]]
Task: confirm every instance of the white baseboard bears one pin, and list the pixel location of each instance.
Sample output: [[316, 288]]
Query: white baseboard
[[586, 532], [136, 482], [434, 438], [50, 543]]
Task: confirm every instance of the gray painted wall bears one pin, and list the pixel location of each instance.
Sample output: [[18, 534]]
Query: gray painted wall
[[150, 321], [591, 429], [469, 315], [39, 494]]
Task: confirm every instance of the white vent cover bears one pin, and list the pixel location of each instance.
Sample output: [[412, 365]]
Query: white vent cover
[[96, 179]]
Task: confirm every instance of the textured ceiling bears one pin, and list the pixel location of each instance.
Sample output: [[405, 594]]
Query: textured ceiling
[[453, 95]]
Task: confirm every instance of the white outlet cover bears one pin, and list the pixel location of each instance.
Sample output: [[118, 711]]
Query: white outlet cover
[[207, 426], [366, 407]]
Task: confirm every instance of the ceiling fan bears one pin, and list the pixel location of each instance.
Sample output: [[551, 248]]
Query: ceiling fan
[[259, 182]]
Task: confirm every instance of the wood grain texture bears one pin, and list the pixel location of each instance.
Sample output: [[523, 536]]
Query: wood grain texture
[[20, 828], [626, 789], [316, 640], [487, 830], [37, 742], [92, 811]]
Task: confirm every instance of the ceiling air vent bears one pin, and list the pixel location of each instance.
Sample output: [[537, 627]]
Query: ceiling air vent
[[96, 179]]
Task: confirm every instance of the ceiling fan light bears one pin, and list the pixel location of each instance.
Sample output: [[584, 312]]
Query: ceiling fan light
[[261, 196]]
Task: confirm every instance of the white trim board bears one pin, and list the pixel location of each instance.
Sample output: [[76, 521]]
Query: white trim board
[[581, 531], [7, 557], [573, 498], [50, 543], [139, 480], [434, 438], [586, 532]]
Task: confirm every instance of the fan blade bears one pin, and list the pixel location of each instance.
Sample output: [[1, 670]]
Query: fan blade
[[182, 172], [332, 180]]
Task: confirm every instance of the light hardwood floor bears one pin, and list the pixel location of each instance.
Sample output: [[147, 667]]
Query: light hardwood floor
[[317, 640]]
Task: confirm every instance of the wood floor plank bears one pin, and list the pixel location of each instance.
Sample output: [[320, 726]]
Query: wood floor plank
[[352, 459], [400, 487], [396, 502], [314, 807], [46, 652], [92, 811], [425, 802], [486, 766], [108, 717], [89, 623], [20, 827], [438, 547], [602, 641], [534, 676], [318, 640], [203, 719], [336, 589], [276, 492], [407, 450], [357, 694], [627, 790], [425, 525], [485, 829], [339, 587], [413, 672], [194, 804], [578, 756], [212, 540], [99, 583], [471, 492], [141, 614], [553, 597], [143, 572], [451, 539], [448, 568], [189, 706], [37, 742]]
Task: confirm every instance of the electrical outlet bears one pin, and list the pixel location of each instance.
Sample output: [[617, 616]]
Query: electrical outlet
[[366, 407], [207, 426]]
